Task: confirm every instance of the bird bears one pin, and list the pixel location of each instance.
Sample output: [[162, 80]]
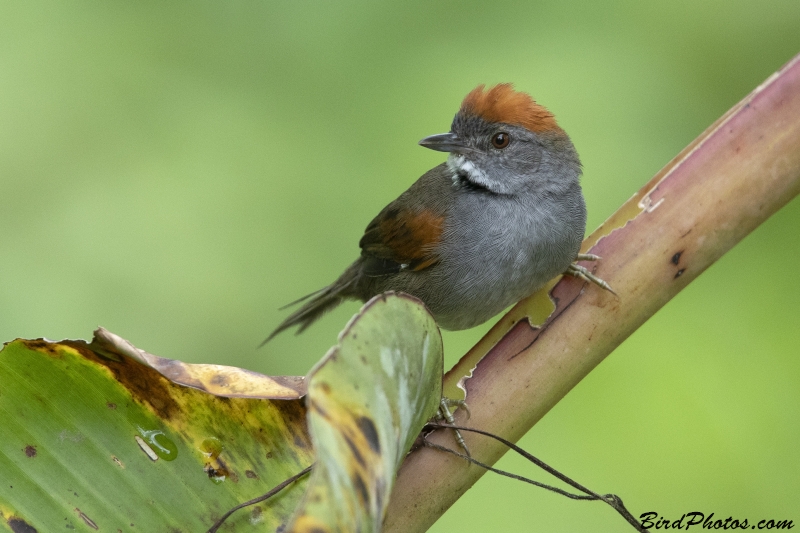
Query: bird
[[502, 216]]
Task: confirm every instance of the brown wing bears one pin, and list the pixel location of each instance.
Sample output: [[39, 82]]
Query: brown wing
[[401, 239]]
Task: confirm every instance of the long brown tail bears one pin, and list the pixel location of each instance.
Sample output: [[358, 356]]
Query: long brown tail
[[319, 302]]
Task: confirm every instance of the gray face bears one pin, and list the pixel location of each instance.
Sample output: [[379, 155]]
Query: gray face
[[528, 163]]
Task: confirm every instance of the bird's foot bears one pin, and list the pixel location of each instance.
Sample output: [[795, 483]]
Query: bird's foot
[[583, 273], [445, 414]]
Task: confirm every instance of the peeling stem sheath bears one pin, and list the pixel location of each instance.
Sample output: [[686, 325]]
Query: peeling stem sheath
[[740, 171]]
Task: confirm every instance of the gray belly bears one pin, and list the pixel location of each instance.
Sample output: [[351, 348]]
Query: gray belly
[[499, 254]]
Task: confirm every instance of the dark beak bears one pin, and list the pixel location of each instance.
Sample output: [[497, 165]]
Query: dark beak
[[444, 142]]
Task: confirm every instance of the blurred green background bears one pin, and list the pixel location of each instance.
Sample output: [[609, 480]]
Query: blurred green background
[[176, 171]]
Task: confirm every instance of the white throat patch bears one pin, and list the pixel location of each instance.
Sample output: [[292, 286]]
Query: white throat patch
[[460, 165]]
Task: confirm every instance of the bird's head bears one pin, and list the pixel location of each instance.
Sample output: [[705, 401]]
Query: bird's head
[[503, 142]]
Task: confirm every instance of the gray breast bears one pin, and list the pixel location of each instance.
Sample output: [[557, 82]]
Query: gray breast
[[500, 250]]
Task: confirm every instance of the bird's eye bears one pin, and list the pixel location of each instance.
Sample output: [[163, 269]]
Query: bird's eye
[[501, 140]]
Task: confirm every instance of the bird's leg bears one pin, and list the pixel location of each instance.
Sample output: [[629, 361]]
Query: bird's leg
[[583, 273], [445, 414], [458, 404]]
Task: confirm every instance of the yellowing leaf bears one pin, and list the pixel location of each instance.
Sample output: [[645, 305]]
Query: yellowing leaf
[[368, 399], [105, 436], [89, 438]]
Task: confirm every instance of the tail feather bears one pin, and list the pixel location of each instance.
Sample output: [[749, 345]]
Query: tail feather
[[302, 299], [318, 303]]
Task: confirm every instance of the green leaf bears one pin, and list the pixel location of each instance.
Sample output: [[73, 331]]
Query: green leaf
[[99, 435], [108, 443]]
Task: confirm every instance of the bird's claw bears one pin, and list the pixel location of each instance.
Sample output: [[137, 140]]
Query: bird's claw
[[458, 404], [583, 273], [445, 414]]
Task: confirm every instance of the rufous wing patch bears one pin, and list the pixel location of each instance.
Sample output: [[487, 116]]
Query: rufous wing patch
[[404, 236], [502, 103]]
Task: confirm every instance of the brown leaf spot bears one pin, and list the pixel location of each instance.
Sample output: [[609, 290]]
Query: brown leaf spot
[[361, 488], [144, 383], [43, 346], [367, 427], [18, 525], [212, 472], [679, 273], [677, 257], [250, 474], [219, 380], [355, 451], [299, 441], [30, 451], [291, 410]]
